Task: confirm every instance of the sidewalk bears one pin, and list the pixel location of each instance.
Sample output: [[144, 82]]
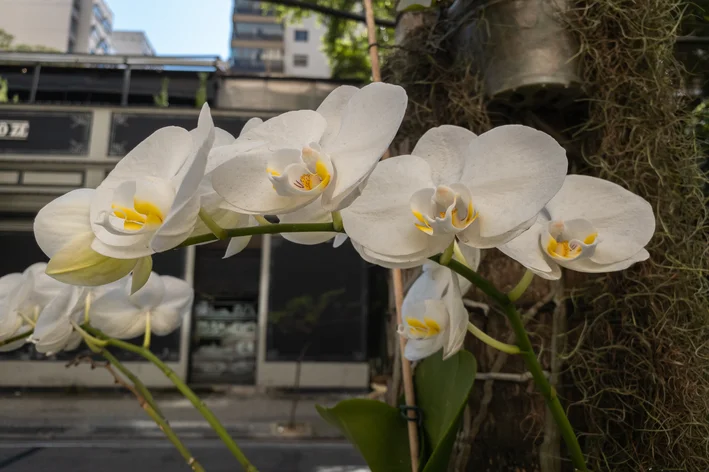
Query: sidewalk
[[113, 414]]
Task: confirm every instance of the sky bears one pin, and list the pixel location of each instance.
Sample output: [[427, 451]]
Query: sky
[[181, 27]]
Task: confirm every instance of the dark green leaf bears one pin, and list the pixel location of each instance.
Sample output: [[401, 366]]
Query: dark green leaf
[[377, 430], [442, 389]]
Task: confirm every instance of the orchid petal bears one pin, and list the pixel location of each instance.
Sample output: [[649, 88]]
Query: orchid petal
[[332, 109], [526, 250], [62, 219], [250, 124], [369, 123], [471, 236], [141, 273], [53, 331], [177, 302], [311, 213], [151, 295], [625, 221], [512, 172], [294, 130], [457, 318], [244, 183], [590, 266], [445, 149], [161, 155], [381, 219]]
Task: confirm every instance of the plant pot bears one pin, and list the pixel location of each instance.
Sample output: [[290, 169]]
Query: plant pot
[[525, 55]]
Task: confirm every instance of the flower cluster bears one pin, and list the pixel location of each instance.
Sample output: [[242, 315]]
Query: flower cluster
[[505, 189], [36, 308]]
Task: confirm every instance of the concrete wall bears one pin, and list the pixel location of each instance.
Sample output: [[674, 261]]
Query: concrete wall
[[317, 64], [131, 43], [37, 22]]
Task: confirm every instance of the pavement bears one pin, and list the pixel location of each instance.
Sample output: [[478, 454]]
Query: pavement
[[75, 432]]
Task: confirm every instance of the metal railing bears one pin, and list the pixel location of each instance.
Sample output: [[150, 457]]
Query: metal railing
[[127, 63]]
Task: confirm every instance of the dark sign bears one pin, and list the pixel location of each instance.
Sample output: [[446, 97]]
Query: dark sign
[[14, 129], [129, 129], [52, 132]]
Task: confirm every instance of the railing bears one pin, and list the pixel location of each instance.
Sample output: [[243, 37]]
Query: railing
[[253, 8], [127, 63], [241, 65], [262, 36]]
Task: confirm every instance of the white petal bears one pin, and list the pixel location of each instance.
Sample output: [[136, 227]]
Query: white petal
[[369, 123], [244, 183], [512, 172], [445, 149], [407, 261], [417, 349], [471, 235], [62, 219], [222, 138], [457, 318], [9, 283], [526, 249], [381, 219], [161, 154], [78, 264], [294, 129], [332, 108], [220, 155], [53, 329], [249, 125], [340, 239], [625, 221], [472, 257], [140, 247], [588, 265], [10, 321], [236, 245], [311, 213], [44, 287], [20, 342], [168, 316], [152, 293], [115, 314]]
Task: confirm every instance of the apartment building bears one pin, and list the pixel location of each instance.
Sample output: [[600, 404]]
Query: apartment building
[[131, 43], [261, 44], [73, 26]]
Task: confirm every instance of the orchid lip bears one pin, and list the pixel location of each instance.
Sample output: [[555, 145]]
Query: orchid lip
[[311, 174], [569, 240], [443, 210]]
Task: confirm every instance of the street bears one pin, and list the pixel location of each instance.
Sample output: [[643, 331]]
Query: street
[[152, 455]]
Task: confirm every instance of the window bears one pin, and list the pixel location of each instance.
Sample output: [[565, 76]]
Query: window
[[301, 36], [300, 60]]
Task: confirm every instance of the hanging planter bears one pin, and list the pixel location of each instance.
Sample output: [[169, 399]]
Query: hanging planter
[[521, 49]]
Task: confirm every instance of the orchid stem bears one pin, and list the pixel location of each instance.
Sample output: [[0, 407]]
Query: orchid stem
[[265, 229], [94, 344], [11, 340], [185, 390], [146, 338], [148, 404], [448, 254], [27, 319], [207, 219], [490, 341], [337, 221], [530, 358], [521, 286]]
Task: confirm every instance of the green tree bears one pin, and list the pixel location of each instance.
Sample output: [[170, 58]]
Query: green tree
[[345, 43]]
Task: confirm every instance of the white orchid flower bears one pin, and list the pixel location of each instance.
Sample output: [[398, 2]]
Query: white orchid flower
[[55, 329], [148, 203], [223, 214], [433, 314], [328, 153], [159, 306], [22, 298], [591, 225], [482, 190]]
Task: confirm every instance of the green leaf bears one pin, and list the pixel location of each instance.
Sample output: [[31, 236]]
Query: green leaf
[[442, 389], [376, 429]]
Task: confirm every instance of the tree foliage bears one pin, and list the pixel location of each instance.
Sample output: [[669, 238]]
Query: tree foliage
[[345, 42]]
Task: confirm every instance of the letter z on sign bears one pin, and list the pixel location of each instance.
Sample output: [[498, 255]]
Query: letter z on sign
[[14, 129]]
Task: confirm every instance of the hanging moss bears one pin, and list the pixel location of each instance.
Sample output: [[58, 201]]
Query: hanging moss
[[638, 349]]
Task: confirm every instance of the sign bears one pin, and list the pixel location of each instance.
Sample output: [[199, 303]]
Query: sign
[[14, 129]]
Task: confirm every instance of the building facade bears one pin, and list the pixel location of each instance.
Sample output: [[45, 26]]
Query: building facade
[[131, 43], [73, 26], [261, 44]]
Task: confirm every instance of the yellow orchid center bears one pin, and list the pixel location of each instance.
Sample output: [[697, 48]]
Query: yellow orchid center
[[431, 208], [143, 213], [422, 329]]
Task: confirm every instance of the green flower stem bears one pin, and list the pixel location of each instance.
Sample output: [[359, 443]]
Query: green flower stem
[[185, 390], [148, 404], [527, 352], [16, 338], [337, 221], [448, 254], [521, 286], [490, 341], [265, 229]]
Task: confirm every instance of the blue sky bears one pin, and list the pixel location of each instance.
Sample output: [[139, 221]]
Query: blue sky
[[186, 27]]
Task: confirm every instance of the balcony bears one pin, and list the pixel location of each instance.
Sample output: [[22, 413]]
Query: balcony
[[258, 36], [252, 8]]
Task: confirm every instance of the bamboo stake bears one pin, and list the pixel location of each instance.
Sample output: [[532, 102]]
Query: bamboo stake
[[396, 273]]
